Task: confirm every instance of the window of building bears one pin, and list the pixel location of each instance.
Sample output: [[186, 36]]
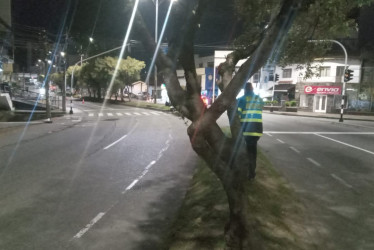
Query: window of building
[[210, 64], [340, 71], [256, 77], [303, 100], [271, 75], [287, 73], [324, 71]]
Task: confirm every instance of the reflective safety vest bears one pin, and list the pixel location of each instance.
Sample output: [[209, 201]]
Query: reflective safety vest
[[250, 114]]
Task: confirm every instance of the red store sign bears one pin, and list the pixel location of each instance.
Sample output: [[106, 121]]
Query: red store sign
[[323, 90]]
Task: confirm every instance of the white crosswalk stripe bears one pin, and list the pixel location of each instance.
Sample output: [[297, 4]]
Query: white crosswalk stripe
[[127, 114]]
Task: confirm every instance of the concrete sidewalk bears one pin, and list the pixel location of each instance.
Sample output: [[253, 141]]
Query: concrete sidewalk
[[324, 115]]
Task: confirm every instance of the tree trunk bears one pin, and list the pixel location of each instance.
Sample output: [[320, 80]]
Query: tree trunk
[[230, 164], [240, 234], [122, 99], [99, 94]]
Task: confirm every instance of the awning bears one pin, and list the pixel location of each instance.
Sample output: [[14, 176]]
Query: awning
[[283, 87]]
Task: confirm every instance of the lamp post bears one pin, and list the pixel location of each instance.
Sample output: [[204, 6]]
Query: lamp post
[[64, 79], [47, 104], [345, 68], [156, 33]]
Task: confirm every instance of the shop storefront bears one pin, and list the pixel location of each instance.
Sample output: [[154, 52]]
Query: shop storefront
[[321, 98]]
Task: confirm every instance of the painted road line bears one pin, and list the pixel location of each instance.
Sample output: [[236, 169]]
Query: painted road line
[[89, 225], [295, 149], [314, 162], [91, 114], [320, 133], [119, 114], [145, 113], [135, 113], [346, 144], [110, 114], [281, 141], [100, 114], [131, 185], [155, 113], [127, 114], [341, 181], [114, 143], [268, 134]]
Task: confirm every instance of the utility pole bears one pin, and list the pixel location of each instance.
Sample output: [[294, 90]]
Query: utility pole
[[156, 32], [47, 104]]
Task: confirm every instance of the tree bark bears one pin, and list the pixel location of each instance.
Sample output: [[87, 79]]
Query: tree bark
[[226, 157]]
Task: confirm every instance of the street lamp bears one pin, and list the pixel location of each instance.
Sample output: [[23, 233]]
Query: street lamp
[[156, 39], [64, 79], [345, 68], [156, 33]]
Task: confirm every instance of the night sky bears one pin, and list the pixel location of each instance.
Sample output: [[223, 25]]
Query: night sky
[[107, 21]]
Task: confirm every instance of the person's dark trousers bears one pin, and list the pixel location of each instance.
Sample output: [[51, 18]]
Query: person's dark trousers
[[251, 142]]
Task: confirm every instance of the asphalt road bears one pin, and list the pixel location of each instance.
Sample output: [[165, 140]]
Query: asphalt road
[[108, 178], [330, 165]]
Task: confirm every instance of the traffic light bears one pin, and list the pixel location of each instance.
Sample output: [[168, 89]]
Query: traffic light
[[348, 74], [276, 77]]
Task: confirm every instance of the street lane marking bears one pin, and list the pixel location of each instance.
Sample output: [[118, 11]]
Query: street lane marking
[[119, 114], [131, 185], [89, 225], [114, 143], [110, 114], [90, 114], [135, 113], [341, 181], [281, 141], [320, 133], [296, 150], [269, 134], [101, 114], [127, 114], [145, 113], [100, 215], [346, 144], [314, 162], [155, 113]]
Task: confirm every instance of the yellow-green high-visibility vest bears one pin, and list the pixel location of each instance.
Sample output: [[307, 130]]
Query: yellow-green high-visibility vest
[[250, 114]]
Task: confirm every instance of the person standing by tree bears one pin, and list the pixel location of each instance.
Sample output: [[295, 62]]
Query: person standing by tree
[[250, 114]]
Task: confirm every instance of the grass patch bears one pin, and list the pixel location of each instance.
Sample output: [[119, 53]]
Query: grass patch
[[278, 213]]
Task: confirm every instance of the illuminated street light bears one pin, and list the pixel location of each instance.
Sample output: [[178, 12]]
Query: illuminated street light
[[91, 39], [62, 54], [346, 67]]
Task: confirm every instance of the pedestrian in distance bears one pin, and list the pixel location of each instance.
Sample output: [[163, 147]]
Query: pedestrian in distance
[[250, 114]]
